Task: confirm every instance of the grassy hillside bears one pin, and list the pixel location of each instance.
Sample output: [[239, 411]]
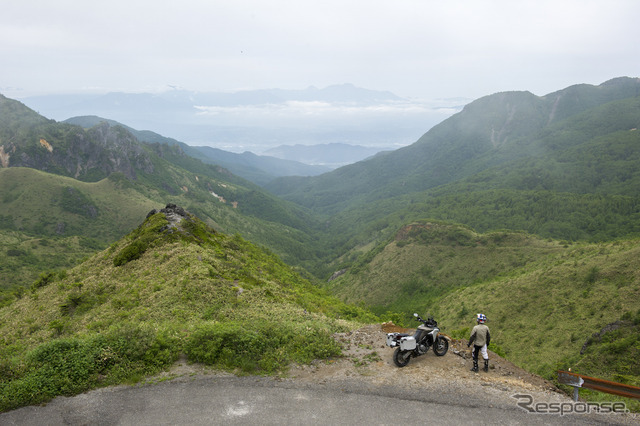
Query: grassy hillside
[[171, 286], [51, 222], [42, 204], [545, 299], [428, 259], [543, 318]]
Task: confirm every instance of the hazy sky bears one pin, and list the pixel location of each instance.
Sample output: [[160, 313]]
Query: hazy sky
[[414, 48]]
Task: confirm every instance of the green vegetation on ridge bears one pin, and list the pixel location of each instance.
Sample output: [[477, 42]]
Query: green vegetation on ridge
[[426, 260], [171, 286]]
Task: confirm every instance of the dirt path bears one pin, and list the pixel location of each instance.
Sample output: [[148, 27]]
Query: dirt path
[[367, 358]]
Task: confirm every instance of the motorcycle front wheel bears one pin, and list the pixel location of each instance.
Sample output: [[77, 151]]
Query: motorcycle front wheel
[[401, 358], [441, 347]]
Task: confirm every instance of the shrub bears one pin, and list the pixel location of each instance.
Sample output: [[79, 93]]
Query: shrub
[[131, 252], [265, 348], [462, 333], [58, 367], [43, 280], [229, 345], [71, 366]]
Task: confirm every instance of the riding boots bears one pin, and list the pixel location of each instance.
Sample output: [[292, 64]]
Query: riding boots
[[475, 366], [486, 365]]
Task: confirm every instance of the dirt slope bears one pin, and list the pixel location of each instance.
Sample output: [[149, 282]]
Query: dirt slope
[[368, 358], [369, 361]]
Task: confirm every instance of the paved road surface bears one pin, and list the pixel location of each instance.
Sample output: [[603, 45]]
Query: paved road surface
[[213, 400]]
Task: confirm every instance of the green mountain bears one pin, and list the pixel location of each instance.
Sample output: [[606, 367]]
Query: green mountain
[[98, 181], [561, 166], [258, 169], [495, 130], [172, 286]]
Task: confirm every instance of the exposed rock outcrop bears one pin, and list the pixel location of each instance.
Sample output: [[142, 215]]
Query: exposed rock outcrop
[[606, 329], [174, 214]]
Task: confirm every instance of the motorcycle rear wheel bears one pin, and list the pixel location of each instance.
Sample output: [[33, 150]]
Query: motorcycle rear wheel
[[441, 347], [401, 358]]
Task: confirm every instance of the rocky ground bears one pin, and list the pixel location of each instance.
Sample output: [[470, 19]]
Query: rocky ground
[[366, 357]]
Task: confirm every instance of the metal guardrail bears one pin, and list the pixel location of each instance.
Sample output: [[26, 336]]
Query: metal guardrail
[[579, 381]]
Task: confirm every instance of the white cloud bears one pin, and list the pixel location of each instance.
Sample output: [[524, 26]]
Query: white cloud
[[292, 109]]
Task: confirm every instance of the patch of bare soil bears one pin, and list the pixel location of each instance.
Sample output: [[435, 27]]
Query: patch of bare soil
[[367, 357]]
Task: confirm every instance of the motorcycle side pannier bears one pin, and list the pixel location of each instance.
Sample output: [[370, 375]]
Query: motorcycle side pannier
[[392, 339], [408, 343]]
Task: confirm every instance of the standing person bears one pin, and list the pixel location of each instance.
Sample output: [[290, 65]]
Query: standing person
[[480, 337]]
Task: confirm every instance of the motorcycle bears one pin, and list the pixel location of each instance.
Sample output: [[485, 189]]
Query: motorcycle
[[426, 336]]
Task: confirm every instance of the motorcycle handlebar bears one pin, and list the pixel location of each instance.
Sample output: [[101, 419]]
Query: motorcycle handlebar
[[429, 321]]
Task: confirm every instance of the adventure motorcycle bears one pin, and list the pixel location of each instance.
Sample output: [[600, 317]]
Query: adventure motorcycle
[[426, 336]]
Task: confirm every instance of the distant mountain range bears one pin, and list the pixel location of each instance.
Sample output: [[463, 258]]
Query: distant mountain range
[[285, 160], [509, 160], [331, 155]]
